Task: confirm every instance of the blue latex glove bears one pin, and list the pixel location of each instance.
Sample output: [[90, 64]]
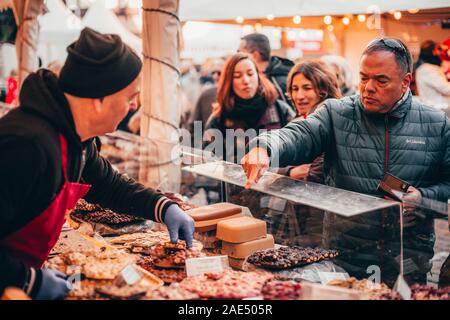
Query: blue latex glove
[[180, 225], [54, 285]]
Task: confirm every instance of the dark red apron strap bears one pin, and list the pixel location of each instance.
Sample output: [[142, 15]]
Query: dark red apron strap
[[64, 155]]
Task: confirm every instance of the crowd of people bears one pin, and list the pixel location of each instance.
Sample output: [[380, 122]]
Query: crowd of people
[[312, 123], [309, 122], [328, 131]]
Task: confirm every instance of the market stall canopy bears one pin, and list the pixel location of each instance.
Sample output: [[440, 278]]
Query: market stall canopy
[[26, 13], [160, 99], [253, 9], [102, 19], [59, 27], [59, 24]]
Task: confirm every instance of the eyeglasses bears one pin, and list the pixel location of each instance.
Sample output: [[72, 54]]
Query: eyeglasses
[[396, 46]]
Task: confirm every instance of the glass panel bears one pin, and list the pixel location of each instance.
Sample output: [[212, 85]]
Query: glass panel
[[342, 202]]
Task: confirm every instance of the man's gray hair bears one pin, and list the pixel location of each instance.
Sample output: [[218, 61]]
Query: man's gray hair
[[397, 47], [258, 42]]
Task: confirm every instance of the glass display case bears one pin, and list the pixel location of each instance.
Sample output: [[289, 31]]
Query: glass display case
[[374, 241]]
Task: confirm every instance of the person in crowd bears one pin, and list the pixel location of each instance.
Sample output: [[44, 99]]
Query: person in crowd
[[275, 68], [50, 160], [343, 73], [210, 72], [246, 99], [309, 84], [445, 57], [432, 84], [55, 66], [203, 107], [379, 131], [190, 91], [12, 88]]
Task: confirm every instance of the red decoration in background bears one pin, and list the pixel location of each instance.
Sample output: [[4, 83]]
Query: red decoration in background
[[13, 91]]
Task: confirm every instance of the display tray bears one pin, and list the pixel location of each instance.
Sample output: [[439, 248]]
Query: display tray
[[148, 278], [339, 201]]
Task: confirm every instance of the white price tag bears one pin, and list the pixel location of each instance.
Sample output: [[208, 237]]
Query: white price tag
[[199, 266], [402, 288], [98, 237], [128, 276], [326, 277], [254, 298]]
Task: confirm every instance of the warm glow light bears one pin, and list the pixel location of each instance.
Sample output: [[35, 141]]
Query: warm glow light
[[247, 29], [413, 11], [327, 19], [297, 19], [239, 19], [397, 15], [258, 27], [291, 35], [361, 17], [346, 21], [330, 27], [270, 17]]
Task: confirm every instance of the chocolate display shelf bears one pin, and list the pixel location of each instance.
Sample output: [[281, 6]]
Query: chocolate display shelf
[[93, 213], [289, 257]]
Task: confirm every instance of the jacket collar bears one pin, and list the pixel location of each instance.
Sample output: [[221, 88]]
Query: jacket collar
[[399, 110]]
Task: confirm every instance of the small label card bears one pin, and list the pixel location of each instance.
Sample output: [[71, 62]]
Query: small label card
[[128, 276], [254, 298], [199, 266], [98, 237], [402, 288], [326, 277]]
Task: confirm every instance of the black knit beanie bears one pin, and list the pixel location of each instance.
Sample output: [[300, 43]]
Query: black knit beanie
[[98, 65]]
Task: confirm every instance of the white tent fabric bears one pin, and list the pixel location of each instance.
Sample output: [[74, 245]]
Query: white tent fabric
[[58, 28], [252, 9], [58, 23], [102, 19], [26, 13], [160, 99]]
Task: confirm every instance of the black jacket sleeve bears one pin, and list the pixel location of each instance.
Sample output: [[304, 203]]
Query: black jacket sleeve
[[21, 186], [113, 190]]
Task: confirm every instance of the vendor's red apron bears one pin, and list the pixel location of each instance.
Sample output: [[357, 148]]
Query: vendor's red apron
[[33, 242]]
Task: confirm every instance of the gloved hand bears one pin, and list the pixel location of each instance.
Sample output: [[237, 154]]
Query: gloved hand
[[180, 225], [53, 286]]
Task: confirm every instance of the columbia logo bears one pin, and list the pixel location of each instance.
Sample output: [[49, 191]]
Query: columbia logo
[[415, 141]]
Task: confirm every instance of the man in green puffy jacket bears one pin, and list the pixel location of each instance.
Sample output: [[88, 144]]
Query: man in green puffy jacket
[[380, 130]]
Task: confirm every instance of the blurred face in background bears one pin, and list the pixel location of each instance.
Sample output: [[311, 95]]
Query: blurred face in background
[[245, 79], [303, 94], [216, 69]]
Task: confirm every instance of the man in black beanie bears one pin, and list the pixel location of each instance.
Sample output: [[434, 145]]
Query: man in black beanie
[[49, 160]]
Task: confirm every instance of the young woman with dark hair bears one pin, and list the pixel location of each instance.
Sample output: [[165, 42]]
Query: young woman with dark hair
[[246, 99], [309, 84]]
